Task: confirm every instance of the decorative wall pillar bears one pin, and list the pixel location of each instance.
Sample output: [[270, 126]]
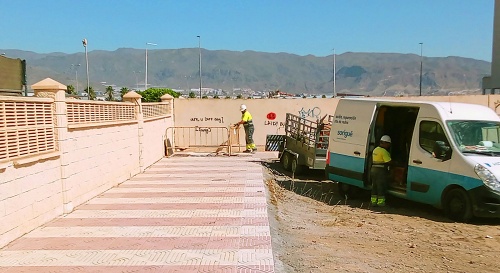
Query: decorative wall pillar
[[168, 142], [168, 98], [136, 100], [49, 88]]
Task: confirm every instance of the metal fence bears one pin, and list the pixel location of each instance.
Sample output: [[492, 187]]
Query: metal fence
[[188, 137]]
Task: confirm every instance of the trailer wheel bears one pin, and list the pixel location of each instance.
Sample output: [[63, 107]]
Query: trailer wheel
[[457, 205], [347, 191], [286, 160], [296, 168]]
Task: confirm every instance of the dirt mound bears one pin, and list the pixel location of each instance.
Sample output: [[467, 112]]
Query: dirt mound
[[314, 231]]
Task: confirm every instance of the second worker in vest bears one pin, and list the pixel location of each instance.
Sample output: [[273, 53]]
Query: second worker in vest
[[379, 172], [246, 120]]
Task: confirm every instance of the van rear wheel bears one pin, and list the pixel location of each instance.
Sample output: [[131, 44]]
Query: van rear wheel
[[286, 160], [295, 167], [457, 205]]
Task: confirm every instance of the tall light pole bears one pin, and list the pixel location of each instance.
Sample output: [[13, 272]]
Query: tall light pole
[[146, 76], [136, 80], [76, 75], [334, 81], [199, 50], [420, 85], [84, 41]]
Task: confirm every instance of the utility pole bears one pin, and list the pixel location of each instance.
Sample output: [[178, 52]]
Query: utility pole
[[420, 85], [87, 61], [334, 68], [199, 49]]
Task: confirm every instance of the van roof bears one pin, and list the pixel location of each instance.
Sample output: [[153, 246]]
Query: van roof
[[447, 110]]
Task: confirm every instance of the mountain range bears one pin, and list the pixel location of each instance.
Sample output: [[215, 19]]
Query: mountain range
[[356, 73]]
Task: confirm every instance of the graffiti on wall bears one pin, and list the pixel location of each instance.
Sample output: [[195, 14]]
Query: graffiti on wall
[[497, 103], [207, 119], [203, 129], [310, 113], [271, 116]]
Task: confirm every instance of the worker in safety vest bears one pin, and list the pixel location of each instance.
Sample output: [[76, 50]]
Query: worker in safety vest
[[379, 172], [246, 120]]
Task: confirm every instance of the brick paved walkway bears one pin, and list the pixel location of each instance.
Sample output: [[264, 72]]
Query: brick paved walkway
[[183, 214]]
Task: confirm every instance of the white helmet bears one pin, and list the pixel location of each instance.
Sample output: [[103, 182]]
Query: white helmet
[[385, 138], [243, 107]]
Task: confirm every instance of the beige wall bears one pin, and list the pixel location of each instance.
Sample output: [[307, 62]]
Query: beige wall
[[30, 195], [154, 139], [100, 158], [224, 112]]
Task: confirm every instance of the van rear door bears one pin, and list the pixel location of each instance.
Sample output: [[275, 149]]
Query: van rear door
[[348, 140]]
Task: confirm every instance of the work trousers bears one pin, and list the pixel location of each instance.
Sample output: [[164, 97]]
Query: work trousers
[[380, 179], [249, 137]]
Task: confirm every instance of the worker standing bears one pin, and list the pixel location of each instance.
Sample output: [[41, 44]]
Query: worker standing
[[379, 172], [246, 120]]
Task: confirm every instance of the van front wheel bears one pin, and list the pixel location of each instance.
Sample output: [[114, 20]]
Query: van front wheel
[[347, 191], [457, 205]]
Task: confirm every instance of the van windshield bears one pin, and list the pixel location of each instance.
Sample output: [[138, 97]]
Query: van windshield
[[476, 136]]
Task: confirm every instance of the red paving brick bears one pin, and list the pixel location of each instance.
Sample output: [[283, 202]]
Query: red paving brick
[[183, 214]]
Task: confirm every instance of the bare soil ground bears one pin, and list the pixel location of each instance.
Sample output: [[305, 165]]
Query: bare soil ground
[[313, 230]]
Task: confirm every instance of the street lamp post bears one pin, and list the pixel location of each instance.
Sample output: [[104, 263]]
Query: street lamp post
[[76, 75], [420, 85], [199, 59], [136, 80], [84, 41], [187, 83], [146, 73], [334, 81]]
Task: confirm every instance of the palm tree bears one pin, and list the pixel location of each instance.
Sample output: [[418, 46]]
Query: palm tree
[[109, 93], [91, 92], [124, 91], [70, 90]]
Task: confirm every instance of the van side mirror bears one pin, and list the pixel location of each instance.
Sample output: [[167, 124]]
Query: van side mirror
[[441, 150]]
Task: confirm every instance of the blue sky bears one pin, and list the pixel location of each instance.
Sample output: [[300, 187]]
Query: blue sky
[[445, 27]]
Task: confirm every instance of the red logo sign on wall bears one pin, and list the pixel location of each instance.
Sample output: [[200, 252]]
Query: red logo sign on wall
[[271, 116]]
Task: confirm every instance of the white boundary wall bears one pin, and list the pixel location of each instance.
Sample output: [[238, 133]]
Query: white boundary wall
[[105, 148]]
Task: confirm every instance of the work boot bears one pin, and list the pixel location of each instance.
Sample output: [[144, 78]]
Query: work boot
[[374, 200], [381, 202], [247, 151]]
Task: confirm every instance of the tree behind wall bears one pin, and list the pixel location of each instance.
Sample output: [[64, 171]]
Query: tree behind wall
[[109, 93], [71, 90], [124, 91], [155, 94], [91, 93]]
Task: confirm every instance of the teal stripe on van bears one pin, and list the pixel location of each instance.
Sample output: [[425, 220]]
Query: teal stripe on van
[[437, 182], [347, 168]]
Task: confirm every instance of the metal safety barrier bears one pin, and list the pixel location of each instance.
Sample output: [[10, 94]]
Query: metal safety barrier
[[180, 138]]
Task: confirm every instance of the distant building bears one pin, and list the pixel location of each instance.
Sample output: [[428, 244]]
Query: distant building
[[492, 83]]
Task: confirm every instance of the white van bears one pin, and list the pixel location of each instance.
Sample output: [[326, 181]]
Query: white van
[[443, 154]]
